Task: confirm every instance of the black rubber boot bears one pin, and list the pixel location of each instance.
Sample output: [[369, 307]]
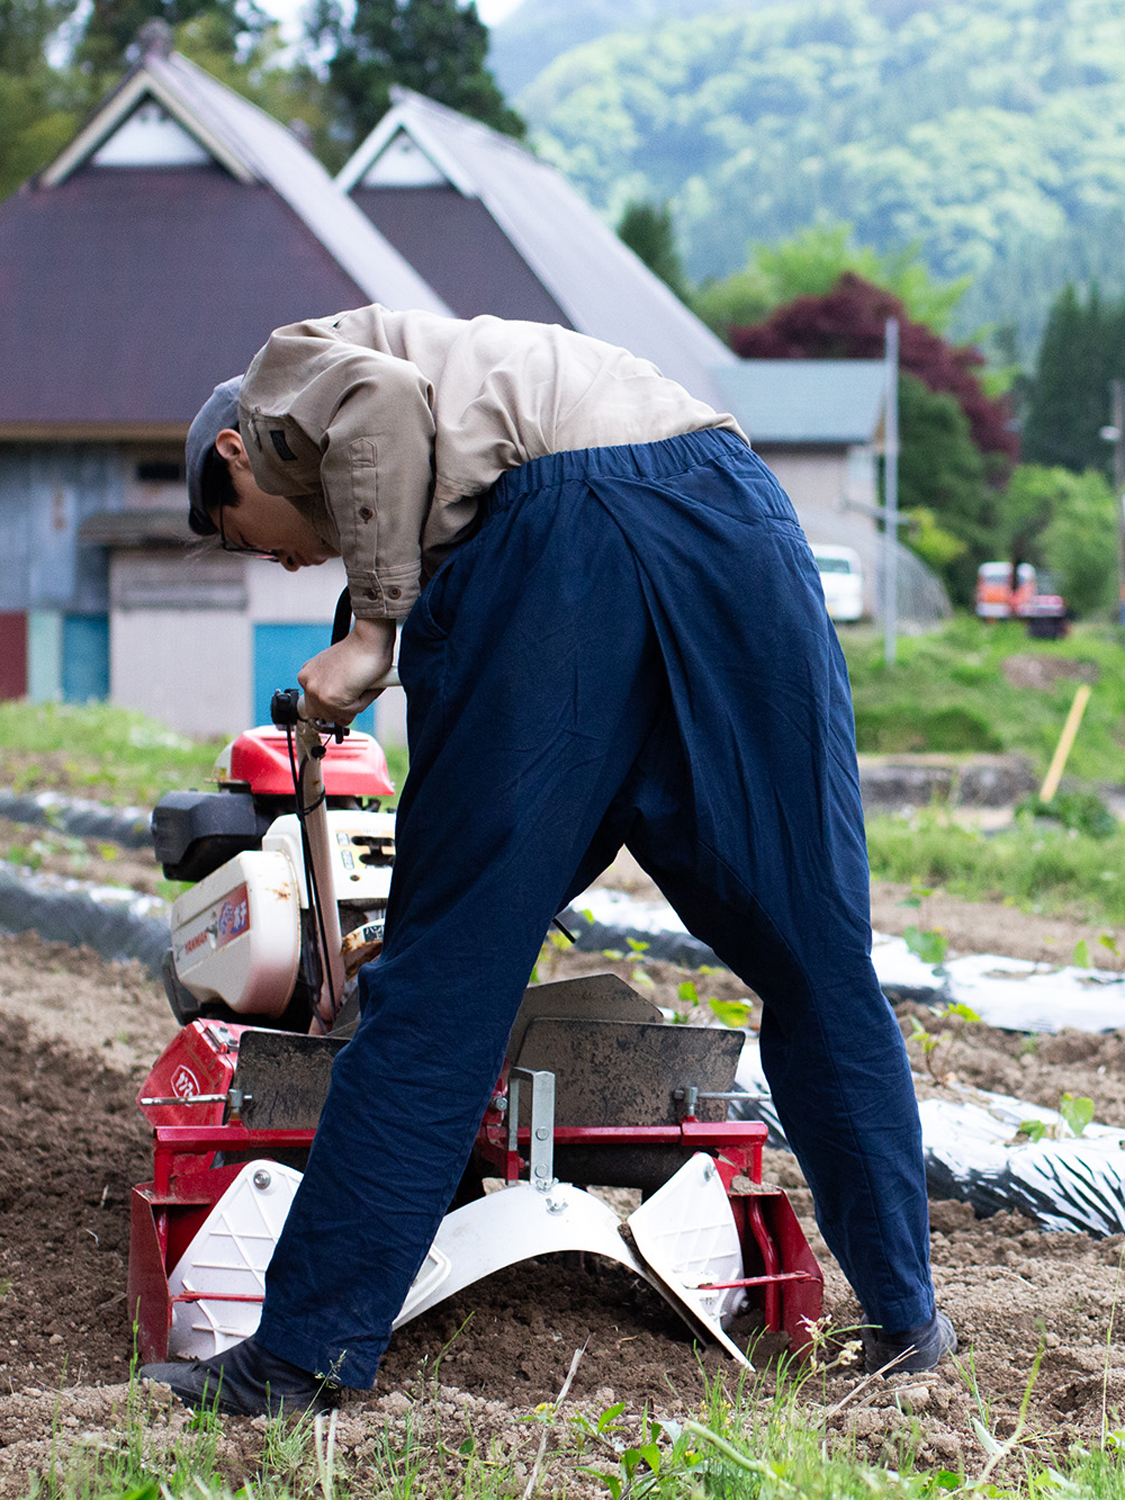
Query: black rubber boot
[[244, 1381], [911, 1352]]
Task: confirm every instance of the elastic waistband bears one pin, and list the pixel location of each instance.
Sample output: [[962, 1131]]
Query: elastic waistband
[[659, 460]]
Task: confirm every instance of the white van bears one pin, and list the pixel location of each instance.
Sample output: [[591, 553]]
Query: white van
[[841, 577]]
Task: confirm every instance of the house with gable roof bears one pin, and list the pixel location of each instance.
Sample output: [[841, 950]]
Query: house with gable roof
[[154, 256], [496, 230], [151, 259]]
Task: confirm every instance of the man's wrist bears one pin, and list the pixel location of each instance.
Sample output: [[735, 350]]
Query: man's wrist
[[373, 629]]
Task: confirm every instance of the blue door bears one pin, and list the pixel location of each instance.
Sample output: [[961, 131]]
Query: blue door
[[85, 653], [280, 651]]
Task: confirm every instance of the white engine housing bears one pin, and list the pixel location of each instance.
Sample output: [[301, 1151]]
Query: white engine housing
[[236, 935], [357, 883]]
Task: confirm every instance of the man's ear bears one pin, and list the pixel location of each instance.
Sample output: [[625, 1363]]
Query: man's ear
[[230, 446]]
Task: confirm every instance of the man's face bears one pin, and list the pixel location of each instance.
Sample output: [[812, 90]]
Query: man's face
[[269, 523]]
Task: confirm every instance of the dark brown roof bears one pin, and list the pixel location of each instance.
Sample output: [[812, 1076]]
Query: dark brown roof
[[128, 292], [456, 244]]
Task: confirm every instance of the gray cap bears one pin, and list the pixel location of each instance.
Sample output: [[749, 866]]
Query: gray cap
[[218, 411]]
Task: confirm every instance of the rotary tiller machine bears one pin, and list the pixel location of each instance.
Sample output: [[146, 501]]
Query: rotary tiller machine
[[291, 862]]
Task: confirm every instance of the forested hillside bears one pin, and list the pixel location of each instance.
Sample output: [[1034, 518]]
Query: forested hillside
[[991, 133], [538, 31]]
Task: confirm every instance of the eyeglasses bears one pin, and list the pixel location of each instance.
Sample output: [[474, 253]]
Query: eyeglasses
[[233, 547]]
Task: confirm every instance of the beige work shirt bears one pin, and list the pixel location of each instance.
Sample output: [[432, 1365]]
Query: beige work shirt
[[386, 427]]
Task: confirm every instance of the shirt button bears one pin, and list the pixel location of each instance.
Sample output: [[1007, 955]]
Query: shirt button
[[394, 593], [371, 593], [365, 513]]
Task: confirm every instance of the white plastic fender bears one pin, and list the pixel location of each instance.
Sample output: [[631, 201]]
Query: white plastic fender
[[513, 1224], [686, 1236], [229, 1254]]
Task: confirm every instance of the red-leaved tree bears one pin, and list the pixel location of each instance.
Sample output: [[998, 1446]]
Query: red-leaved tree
[[849, 323]]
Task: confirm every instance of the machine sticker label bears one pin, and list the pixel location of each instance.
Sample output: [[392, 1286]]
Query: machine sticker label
[[234, 916], [184, 1082]]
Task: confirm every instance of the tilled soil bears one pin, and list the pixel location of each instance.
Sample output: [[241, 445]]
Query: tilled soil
[[78, 1035]]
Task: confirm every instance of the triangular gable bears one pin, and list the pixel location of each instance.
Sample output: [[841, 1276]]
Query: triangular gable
[[150, 137], [403, 135], [403, 163], [174, 232], [143, 106], [168, 97]]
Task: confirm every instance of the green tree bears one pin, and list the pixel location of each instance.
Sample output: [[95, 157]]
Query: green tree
[[986, 131], [35, 124], [26, 26], [1083, 349], [436, 47], [942, 485], [933, 543], [1079, 541], [649, 233], [112, 26], [809, 264], [1030, 500], [37, 107]]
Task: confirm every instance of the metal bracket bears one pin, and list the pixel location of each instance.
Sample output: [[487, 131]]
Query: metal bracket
[[541, 1155]]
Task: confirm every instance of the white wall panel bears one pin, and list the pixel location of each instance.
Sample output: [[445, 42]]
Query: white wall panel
[[190, 669]]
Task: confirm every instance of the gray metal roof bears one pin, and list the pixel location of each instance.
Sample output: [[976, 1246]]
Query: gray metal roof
[[254, 147], [831, 402], [601, 286]]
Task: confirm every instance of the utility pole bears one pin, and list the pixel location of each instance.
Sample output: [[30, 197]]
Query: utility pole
[[890, 494], [1115, 434]]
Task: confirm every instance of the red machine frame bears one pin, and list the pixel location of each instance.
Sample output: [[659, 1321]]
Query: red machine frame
[[168, 1211]]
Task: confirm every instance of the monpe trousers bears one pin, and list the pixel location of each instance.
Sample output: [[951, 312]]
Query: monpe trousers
[[633, 649]]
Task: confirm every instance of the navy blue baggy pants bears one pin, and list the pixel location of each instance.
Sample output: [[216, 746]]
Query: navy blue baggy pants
[[633, 649]]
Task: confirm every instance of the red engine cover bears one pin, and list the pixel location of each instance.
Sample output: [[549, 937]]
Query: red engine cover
[[355, 768], [200, 1059]]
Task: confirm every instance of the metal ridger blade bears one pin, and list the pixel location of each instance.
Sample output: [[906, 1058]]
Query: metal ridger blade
[[515, 1223]]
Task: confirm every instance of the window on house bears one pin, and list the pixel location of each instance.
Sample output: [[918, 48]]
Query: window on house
[[160, 471]]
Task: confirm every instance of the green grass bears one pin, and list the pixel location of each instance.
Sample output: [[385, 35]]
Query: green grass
[[947, 692], [1037, 867], [98, 750], [770, 1436], [109, 753]]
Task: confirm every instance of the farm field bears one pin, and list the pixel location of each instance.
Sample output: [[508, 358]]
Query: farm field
[[78, 1035], [464, 1400]]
